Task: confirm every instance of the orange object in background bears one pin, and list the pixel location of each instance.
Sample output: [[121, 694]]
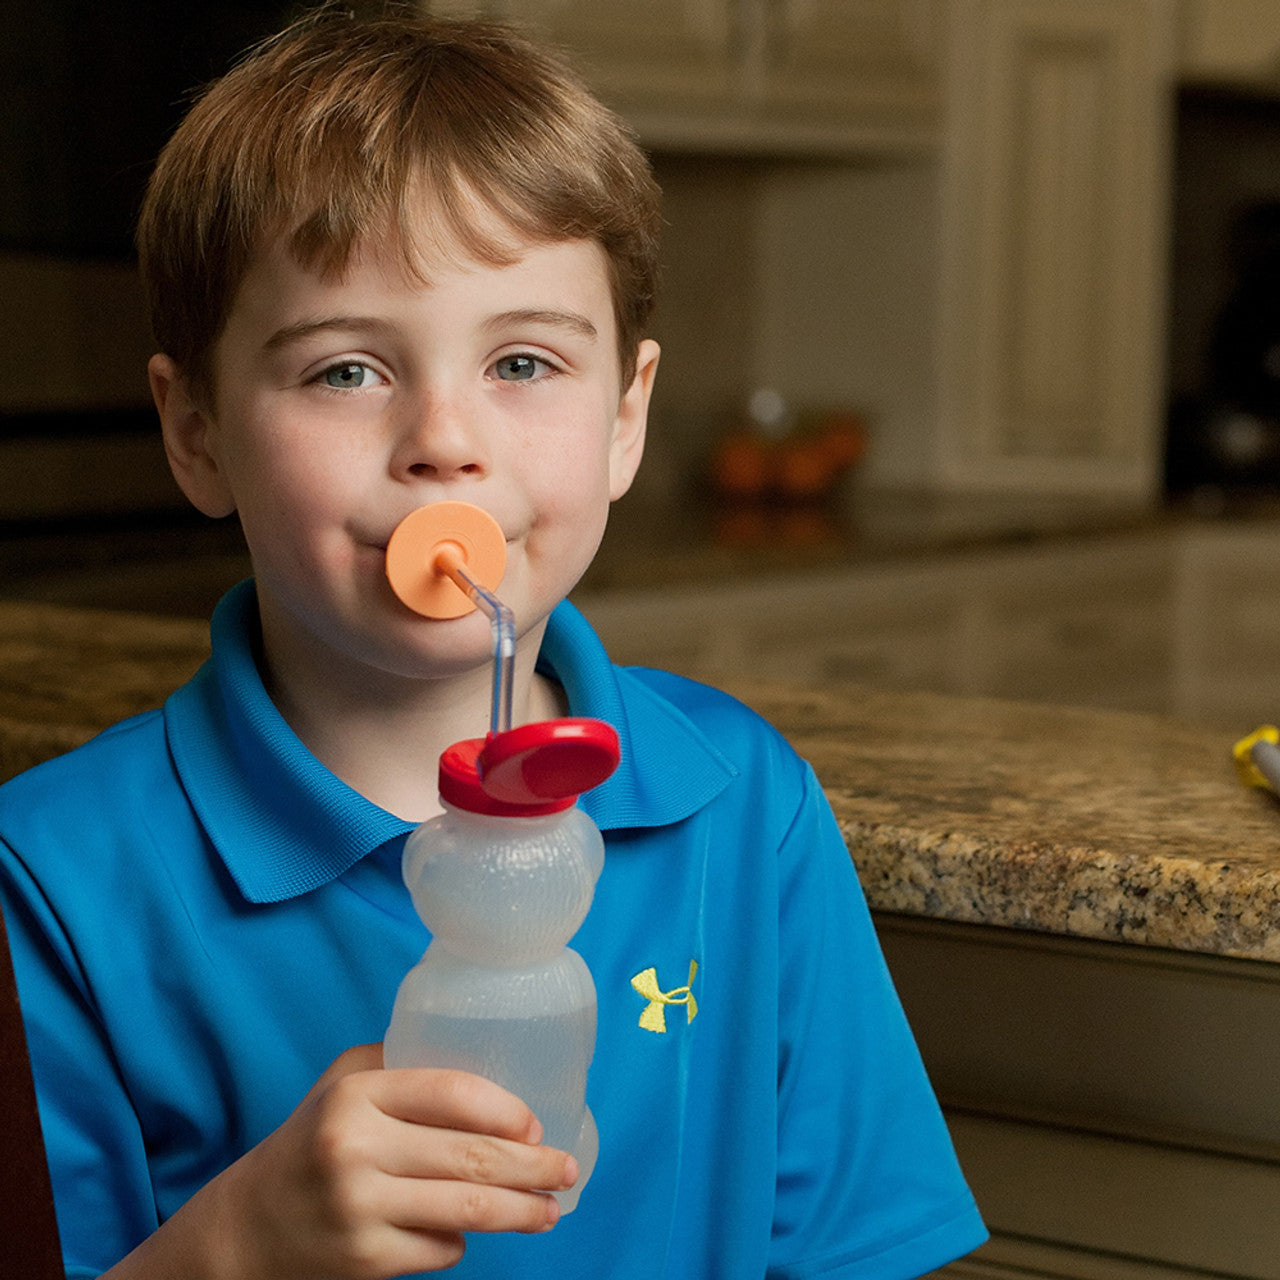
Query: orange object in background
[[844, 438], [741, 465], [803, 469], [804, 465]]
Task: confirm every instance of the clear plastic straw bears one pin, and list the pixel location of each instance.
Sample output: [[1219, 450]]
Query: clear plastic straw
[[502, 625]]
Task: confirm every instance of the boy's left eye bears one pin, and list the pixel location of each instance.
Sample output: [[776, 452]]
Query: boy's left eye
[[350, 375], [520, 367]]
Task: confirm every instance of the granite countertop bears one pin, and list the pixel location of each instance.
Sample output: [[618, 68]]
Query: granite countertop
[[1107, 825], [1113, 826]]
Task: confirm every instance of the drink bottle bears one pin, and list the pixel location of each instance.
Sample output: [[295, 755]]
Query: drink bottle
[[505, 875]]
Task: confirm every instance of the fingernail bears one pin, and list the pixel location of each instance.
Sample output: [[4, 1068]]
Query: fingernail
[[553, 1212], [535, 1131], [570, 1171]]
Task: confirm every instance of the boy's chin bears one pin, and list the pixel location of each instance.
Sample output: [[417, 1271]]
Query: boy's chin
[[426, 649]]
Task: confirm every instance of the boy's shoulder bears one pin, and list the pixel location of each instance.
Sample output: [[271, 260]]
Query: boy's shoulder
[[729, 727], [701, 702], [107, 772]]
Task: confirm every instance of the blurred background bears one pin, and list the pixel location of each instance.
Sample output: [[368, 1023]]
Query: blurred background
[[971, 372]]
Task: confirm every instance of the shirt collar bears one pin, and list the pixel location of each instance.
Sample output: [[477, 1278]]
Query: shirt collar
[[669, 768], [284, 824]]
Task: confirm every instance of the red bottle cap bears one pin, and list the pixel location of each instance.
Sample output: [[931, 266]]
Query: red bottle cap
[[530, 770]]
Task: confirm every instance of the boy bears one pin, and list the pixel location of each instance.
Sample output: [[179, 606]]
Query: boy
[[393, 262]]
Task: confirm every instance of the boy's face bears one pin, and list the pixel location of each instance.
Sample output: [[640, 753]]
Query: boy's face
[[341, 405]]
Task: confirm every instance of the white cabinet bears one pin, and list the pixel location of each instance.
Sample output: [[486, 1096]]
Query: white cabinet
[[872, 65], [1054, 204], [752, 75], [1048, 124], [1229, 40], [654, 51]]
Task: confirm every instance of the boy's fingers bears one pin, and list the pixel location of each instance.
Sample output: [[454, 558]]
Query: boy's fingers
[[455, 1100], [439, 1208], [477, 1159]]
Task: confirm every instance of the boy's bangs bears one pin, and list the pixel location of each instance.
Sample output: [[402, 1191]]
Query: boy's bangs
[[467, 183], [431, 220]]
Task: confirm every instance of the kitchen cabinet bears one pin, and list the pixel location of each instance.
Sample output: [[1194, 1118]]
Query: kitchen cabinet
[[1080, 913], [1112, 1105], [1054, 201], [831, 76], [650, 51], [1232, 41]]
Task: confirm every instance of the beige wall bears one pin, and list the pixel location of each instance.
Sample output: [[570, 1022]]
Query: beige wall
[[817, 279], [846, 300]]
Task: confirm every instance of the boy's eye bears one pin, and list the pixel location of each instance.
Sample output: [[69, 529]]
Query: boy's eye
[[520, 368], [347, 377]]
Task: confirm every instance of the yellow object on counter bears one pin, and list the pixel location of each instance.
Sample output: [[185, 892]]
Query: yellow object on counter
[[1242, 752]]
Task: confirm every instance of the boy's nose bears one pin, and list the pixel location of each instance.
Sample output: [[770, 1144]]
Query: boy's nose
[[439, 441]]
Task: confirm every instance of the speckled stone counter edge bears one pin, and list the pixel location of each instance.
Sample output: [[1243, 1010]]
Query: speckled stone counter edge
[[1174, 902]]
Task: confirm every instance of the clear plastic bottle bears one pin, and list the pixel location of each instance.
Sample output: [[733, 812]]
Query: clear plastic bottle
[[503, 878]]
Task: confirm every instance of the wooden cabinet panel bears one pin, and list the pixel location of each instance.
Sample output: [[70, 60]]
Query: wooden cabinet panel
[[659, 50], [1108, 1100], [875, 60], [825, 76], [1052, 120], [1054, 194], [1231, 40]]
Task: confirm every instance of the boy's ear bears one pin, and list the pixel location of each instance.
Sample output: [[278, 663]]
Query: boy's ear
[[187, 430], [629, 427]]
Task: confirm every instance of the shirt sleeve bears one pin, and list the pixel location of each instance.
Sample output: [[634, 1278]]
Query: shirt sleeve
[[97, 1160], [868, 1182]]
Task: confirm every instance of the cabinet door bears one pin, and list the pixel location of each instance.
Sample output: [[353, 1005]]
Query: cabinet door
[[1054, 203], [787, 76], [873, 62], [682, 51]]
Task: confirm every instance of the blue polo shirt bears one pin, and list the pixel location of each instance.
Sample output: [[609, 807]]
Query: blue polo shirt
[[203, 918]]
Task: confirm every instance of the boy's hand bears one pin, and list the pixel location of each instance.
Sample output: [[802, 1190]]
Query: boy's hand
[[378, 1173]]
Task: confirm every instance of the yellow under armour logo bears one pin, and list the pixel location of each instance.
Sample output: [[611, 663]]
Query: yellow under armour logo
[[654, 1017]]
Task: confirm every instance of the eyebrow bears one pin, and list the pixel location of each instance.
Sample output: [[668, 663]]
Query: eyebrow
[[289, 333], [570, 320]]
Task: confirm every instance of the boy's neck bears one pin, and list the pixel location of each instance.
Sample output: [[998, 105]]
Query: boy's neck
[[383, 736]]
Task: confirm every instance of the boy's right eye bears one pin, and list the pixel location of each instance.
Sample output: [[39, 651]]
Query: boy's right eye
[[349, 376]]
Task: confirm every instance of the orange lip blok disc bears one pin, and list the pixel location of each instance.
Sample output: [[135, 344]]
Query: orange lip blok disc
[[430, 543]]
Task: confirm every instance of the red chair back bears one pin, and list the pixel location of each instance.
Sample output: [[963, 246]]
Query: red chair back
[[28, 1231]]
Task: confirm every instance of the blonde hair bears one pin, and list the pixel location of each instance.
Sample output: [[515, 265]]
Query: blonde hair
[[335, 130]]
